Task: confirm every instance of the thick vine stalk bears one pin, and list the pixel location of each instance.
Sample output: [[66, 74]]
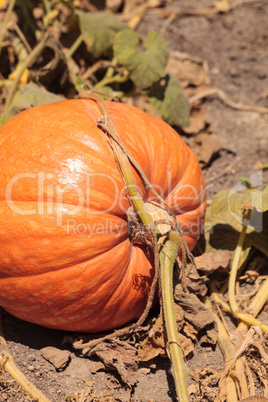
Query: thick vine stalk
[[168, 254]]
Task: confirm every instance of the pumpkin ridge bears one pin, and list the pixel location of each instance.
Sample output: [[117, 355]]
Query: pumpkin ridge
[[123, 216], [71, 264], [5, 138], [70, 137], [125, 272]]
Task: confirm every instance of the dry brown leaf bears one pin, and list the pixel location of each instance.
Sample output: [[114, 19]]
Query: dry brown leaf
[[198, 121], [205, 147], [188, 72], [114, 5], [207, 263], [154, 344], [190, 331], [194, 282], [258, 165], [120, 356], [116, 392], [196, 313]]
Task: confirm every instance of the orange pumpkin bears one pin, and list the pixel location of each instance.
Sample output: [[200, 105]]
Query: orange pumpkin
[[67, 260]]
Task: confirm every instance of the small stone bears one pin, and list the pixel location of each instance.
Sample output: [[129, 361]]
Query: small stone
[[234, 73], [59, 358], [261, 74], [145, 370], [31, 357], [30, 368]]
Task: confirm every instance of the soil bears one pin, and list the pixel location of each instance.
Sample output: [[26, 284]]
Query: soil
[[234, 44]]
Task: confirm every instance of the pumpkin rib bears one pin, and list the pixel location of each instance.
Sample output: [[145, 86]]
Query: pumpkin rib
[[151, 151], [70, 245], [141, 285], [74, 139], [82, 144], [69, 308], [123, 217], [180, 169]]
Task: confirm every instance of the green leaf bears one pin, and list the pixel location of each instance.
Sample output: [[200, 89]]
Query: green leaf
[[224, 237], [28, 96], [125, 46], [145, 66], [168, 98], [225, 219], [79, 83], [229, 204], [99, 30]]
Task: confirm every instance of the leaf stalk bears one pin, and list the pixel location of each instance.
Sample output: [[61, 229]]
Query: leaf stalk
[[168, 255]]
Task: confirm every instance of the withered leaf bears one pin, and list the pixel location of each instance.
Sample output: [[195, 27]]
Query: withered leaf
[[189, 72], [194, 282], [190, 331], [120, 356], [207, 263], [53, 73], [154, 344], [194, 310], [205, 147], [198, 121]]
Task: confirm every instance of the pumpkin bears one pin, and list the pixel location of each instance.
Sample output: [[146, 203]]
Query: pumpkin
[[67, 257]]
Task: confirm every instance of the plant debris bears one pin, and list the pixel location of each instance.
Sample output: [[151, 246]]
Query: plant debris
[[120, 356]]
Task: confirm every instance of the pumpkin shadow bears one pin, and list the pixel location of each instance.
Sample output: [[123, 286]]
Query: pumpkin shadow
[[142, 283], [31, 335]]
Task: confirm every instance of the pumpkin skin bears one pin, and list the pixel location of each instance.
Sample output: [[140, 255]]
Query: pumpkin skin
[[66, 258]]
